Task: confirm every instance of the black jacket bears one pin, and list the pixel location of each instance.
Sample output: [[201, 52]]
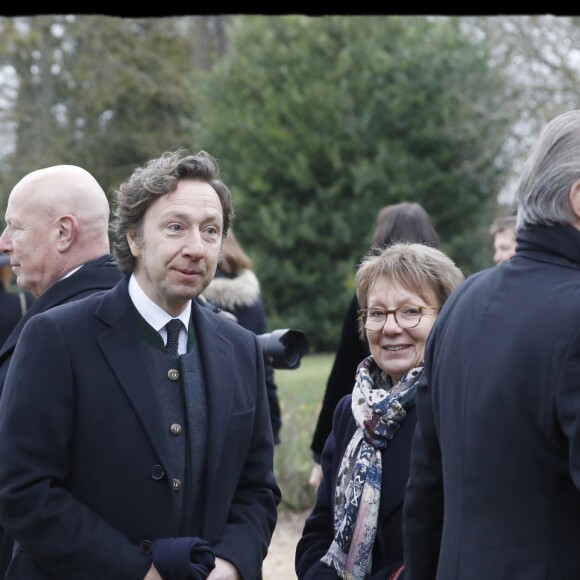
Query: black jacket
[[494, 488], [351, 351], [319, 530], [94, 276], [87, 457]]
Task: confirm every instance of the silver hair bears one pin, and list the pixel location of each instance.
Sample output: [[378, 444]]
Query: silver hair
[[551, 169]]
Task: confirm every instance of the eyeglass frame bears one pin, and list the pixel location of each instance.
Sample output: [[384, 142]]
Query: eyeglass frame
[[364, 311]]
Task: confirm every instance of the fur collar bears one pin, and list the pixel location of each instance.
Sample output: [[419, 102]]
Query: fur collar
[[232, 293]]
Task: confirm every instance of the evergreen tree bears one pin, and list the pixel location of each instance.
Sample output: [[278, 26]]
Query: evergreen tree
[[319, 122]]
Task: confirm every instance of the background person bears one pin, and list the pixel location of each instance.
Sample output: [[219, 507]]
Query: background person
[[494, 488], [503, 230], [354, 530], [156, 458], [56, 237], [236, 289], [401, 222], [13, 305]]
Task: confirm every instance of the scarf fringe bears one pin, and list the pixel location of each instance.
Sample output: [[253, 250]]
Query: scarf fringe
[[335, 559]]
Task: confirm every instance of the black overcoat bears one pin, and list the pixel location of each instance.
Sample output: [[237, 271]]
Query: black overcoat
[[494, 488], [95, 276], [85, 477]]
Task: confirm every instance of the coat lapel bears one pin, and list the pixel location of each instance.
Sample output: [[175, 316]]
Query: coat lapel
[[121, 345], [217, 356]]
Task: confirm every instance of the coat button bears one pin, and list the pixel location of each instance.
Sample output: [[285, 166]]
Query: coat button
[[176, 429], [146, 546], [173, 374], [157, 472], [176, 484]]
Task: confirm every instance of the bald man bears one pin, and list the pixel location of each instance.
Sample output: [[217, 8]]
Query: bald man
[[56, 235]]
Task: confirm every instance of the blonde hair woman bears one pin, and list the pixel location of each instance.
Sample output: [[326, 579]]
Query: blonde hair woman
[[355, 528]]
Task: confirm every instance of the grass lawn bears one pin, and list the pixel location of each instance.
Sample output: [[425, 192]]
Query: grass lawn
[[300, 392]]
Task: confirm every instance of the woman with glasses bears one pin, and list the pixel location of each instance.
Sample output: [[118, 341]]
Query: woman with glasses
[[407, 221], [354, 530]]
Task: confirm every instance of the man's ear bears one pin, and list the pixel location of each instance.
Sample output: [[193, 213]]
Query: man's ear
[[133, 241], [574, 197], [67, 232]]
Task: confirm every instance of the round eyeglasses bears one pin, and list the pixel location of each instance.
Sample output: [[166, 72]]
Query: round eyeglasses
[[407, 316]]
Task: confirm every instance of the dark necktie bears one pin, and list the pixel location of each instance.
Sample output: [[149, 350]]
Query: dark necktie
[[173, 327]]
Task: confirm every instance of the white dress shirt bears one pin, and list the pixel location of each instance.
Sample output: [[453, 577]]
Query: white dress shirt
[[156, 316]]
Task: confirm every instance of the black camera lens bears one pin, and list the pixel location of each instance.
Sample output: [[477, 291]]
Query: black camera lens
[[283, 349]]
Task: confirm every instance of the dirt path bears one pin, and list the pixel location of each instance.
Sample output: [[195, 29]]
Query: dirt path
[[279, 563]]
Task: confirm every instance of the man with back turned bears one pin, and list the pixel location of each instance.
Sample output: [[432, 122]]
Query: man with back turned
[[494, 487]]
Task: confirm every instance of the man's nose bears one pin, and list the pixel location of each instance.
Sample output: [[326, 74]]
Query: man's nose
[[193, 245], [5, 242]]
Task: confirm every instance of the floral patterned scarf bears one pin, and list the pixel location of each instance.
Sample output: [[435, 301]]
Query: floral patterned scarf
[[378, 410]]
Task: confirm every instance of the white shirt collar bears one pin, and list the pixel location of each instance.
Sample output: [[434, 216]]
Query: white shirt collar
[[72, 272], [151, 312]]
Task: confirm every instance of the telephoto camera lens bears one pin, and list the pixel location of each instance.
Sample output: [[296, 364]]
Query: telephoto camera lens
[[283, 349]]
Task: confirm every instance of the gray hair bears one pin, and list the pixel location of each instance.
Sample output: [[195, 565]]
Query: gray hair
[[551, 169], [156, 178], [416, 267]]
